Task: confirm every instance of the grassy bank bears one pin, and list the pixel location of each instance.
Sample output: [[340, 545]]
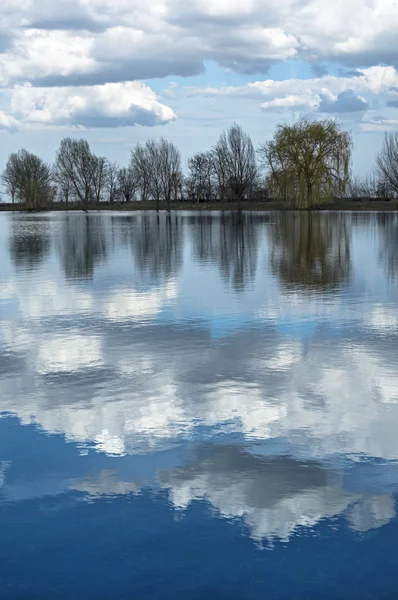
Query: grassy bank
[[380, 205]]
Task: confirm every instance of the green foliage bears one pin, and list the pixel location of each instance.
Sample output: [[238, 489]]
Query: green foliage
[[308, 162]]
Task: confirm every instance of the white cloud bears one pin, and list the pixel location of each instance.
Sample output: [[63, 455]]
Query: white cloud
[[92, 36], [8, 122], [109, 105], [37, 54], [329, 93], [79, 44], [379, 124]]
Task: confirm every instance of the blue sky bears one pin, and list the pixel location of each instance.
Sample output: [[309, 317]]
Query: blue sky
[[118, 71]]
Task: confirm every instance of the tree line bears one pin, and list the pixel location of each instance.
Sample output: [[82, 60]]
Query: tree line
[[303, 165]]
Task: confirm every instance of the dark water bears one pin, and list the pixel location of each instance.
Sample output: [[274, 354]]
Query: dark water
[[199, 406]]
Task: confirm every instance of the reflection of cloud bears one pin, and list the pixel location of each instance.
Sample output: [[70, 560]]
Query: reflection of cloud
[[3, 469], [7, 290], [242, 404], [384, 319], [146, 391], [139, 386], [134, 305], [273, 495], [69, 352], [105, 484], [374, 511], [286, 355], [14, 337], [51, 299]]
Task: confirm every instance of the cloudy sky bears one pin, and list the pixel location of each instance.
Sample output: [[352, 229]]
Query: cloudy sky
[[121, 71]]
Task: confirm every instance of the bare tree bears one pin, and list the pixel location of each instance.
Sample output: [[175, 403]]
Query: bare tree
[[64, 188], [140, 165], [10, 176], [308, 161], [235, 163], [28, 178], [158, 169], [387, 161], [199, 182], [371, 187], [169, 169], [100, 176], [112, 182], [77, 168], [127, 183]]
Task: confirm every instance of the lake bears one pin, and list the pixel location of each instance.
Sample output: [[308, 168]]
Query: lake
[[199, 405]]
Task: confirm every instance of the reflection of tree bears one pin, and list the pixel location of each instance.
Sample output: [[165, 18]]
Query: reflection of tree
[[311, 250], [82, 245], [389, 243], [231, 241], [157, 243], [30, 241]]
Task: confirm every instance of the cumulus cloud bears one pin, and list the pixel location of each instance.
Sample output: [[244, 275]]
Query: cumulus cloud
[[379, 124], [330, 93], [346, 101], [8, 122], [170, 36], [109, 105], [92, 43], [36, 54]]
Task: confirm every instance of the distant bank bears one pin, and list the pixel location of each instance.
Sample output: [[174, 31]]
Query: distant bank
[[380, 205]]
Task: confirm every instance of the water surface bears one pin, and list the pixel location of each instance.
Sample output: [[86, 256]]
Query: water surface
[[198, 405]]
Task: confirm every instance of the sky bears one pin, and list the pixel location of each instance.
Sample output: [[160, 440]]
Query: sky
[[118, 72]]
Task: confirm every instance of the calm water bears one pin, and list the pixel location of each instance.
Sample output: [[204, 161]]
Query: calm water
[[199, 406]]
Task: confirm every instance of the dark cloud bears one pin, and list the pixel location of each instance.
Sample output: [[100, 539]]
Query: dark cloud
[[69, 24], [344, 72], [140, 69], [347, 102], [136, 116], [319, 69]]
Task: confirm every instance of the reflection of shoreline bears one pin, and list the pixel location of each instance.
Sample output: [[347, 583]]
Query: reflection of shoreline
[[346, 204]]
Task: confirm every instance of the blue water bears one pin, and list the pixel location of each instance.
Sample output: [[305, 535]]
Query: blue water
[[198, 406]]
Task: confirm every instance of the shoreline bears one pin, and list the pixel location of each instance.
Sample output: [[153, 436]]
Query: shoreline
[[343, 205]]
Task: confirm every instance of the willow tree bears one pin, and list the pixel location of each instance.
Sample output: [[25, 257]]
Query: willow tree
[[307, 162]]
